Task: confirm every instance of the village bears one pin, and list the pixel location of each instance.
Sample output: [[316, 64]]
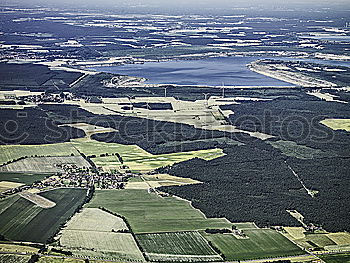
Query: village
[[73, 176]]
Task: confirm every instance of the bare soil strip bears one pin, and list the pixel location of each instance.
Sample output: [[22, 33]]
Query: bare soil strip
[[38, 200]]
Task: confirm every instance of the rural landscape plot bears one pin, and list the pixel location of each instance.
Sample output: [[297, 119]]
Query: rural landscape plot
[[24, 178], [261, 243], [95, 219], [14, 259], [43, 164], [177, 246], [99, 233], [106, 245], [181, 131], [149, 213], [135, 157], [22, 220], [14, 152]]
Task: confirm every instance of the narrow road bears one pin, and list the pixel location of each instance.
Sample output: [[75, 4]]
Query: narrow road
[[309, 192]]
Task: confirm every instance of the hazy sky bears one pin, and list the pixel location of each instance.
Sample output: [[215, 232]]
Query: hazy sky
[[183, 4]]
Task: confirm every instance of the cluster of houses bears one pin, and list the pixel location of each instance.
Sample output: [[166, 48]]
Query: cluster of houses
[[47, 97], [74, 176]]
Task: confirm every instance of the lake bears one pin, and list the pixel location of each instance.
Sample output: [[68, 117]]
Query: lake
[[230, 71]]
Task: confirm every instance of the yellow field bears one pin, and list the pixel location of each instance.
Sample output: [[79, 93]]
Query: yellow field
[[170, 178], [295, 232], [325, 241], [135, 157], [5, 185], [158, 180], [59, 260], [17, 248], [142, 185], [337, 124], [342, 238], [89, 219]]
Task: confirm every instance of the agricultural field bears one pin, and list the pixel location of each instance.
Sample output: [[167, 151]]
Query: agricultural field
[[337, 124], [89, 219], [93, 229], [16, 248], [177, 246], [260, 244], [43, 164], [121, 246], [135, 157], [145, 185], [341, 238], [334, 242], [7, 258], [14, 152], [23, 178], [148, 212], [22, 220], [48, 259], [169, 178], [157, 180], [5, 185], [336, 258]]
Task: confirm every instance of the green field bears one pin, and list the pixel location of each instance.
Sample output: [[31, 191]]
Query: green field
[[293, 149], [336, 258], [13, 152], [165, 246], [320, 240], [7, 258], [24, 178], [21, 220], [148, 213], [135, 157], [262, 243]]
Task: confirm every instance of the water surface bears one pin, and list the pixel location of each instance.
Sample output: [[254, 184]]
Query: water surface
[[230, 71]]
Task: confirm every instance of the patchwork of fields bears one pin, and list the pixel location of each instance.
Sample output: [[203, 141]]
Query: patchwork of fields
[[112, 246], [99, 234], [14, 152], [177, 246], [43, 164], [22, 220], [261, 243], [321, 240], [135, 157], [149, 213]]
